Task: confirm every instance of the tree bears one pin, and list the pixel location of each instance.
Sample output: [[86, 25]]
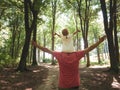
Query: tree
[[35, 10], [29, 26], [85, 14], [84, 23], [12, 23], [39, 7], [110, 28], [54, 8], [96, 36]]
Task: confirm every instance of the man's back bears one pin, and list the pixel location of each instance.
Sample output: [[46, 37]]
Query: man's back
[[69, 64]]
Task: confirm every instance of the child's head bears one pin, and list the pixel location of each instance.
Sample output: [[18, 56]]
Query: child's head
[[65, 32]]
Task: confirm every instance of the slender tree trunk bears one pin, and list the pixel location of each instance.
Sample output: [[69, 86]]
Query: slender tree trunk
[[76, 24], [115, 31], [13, 42], [98, 51], [38, 56], [34, 63], [98, 55], [87, 55], [22, 64], [18, 44], [54, 7], [44, 46], [84, 23]]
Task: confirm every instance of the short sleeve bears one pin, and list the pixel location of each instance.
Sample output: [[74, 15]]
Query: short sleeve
[[80, 54], [57, 55]]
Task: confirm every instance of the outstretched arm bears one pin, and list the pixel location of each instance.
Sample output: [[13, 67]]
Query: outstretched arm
[[57, 35], [95, 45], [76, 32], [42, 48]]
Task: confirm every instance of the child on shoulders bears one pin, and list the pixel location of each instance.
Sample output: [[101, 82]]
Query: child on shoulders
[[67, 40]]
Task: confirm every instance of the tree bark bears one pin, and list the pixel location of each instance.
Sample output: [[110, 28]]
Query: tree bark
[[84, 23], [54, 7], [34, 63], [28, 30], [109, 29]]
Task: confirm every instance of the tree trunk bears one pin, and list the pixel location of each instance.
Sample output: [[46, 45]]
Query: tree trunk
[[29, 27], [98, 51], [13, 42], [109, 29], [28, 31], [44, 46], [22, 64], [34, 63], [54, 7], [98, 55], [87, 55], [18, 44], [39, 56], [77, 39], [84, 23]]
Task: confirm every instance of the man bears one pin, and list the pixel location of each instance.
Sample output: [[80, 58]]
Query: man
[[69, 65]]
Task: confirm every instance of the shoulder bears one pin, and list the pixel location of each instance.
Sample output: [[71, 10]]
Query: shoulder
[[56, 53], [80, 53]]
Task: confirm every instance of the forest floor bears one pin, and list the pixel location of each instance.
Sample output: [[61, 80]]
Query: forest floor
[[45, 77]]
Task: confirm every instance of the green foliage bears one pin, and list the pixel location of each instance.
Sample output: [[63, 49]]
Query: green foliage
[[36, 4], [47, 60], [7, 61], [103, 62]]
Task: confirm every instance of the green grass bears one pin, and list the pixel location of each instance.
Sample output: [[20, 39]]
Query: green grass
[[103, 62]]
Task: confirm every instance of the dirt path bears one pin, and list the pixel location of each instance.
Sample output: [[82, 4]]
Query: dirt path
[[93, 78], [51, 82], [45, 77]]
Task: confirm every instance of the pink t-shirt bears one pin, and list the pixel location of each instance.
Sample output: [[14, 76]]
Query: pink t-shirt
[[69, 68]]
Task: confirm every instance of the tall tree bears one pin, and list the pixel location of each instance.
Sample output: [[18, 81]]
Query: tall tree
[[84, 23], [111, 32], [96, 36], [54, 8], [29, 26], [35, 10]]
